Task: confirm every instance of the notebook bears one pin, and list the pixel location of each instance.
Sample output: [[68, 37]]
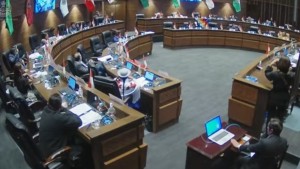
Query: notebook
[[215, 132]]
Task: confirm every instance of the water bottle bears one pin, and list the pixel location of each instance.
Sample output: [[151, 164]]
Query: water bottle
[[101, 107], [111, 111], [80, 92]]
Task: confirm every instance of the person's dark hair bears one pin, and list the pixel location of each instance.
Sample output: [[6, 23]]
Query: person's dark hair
[[284, 64], [55, 101], [77, 56], [275, 125], [17, 71]]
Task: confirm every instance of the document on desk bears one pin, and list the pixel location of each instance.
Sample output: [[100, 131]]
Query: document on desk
[[81, 109], [89, 117]]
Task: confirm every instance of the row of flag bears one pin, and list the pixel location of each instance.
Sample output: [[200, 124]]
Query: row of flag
[[210, 4]]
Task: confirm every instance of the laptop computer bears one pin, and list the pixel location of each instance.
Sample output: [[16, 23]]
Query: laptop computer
[[215, 132], [129, 65], [71, 87], [149, 78]]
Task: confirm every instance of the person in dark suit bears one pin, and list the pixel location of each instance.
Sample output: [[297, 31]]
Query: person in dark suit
[[21, 79], [15, 57], [57, 126], [106, 19], [266, 149], [80, 67], [280, 93]]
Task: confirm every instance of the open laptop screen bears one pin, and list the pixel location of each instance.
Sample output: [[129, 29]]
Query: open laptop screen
[[129, 65], [213, 125], [149, 76], [71, 83]]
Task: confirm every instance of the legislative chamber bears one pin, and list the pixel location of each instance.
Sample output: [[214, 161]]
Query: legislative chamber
[[124, 37]]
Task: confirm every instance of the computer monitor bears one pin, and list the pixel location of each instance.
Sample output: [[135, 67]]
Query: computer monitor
[[98, 20], [129, 65], [213, 125], [71, 83], [92, 99], [149, 76], [107, 85]]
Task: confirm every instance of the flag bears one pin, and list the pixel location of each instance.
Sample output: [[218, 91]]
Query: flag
[[2, 10], [145, 3], [90, 5], [176, 3], [210, 4], [64, 67], [91, 80], [64, 7], [237, 5], [203, 22], [8, 19], [127, 52], [268, 49], [145, 62], [29, 12]]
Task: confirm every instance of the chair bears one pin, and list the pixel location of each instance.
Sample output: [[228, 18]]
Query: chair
[[31, 152], [280, 158], [71, 65], [6, 99], [85, 56], [96, 45], [107, 85], [62, 30], [49, 31], [98, 69], [139, 16], [8, 66], [107, 37], [98, 20], [34, 41], [168, 25], [30, 113]]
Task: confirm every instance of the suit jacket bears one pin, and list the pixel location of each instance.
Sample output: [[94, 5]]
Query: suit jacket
[[56, 129], [266, 149], [80, 68]]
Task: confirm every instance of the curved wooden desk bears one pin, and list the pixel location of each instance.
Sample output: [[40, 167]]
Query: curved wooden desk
[[203, 37], [120, 144], [156, 25]]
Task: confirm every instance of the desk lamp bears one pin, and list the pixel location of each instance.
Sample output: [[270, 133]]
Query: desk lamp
[[123, 74]]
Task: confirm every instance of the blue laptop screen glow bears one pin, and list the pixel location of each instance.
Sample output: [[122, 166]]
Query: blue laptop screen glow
[[213, 126], [149, 76], [129, 65], [71, 83]]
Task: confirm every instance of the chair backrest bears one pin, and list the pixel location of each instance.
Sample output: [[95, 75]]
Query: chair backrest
[[280, 158], [107, 85], [83, 53], [168, 24], [107, 37], [139, 16], [22, 51], [20, 133], [7, 65], [70, 65], [49, 31], [34, 41], [98, 20], [96, 44], [62, 29], [4, 96]]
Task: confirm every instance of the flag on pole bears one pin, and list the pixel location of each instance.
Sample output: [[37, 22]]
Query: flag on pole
[[145, 62], [176, 3], [29, 12], [268, 49], [90, 5], [91, 80], [145, 3], [8, 19], [2, 10], [127, 52], [237, 5], [64, 67], [210, 4], [64, 7]]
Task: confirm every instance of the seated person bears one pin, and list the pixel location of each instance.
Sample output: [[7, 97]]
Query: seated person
[[80, 67], [45, 39], [177, 15], [117, 36], [57, 126], [72, 28], [158, 15], [191, 25], [106, 20], [14, 57], [23, 82], [266, 149]]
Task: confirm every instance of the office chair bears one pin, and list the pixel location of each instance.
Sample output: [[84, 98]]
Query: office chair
[[98, 69], [62, 30], [168, 25], [96, 45], [107, 85], [49, 31], [85, 56], [98, 20], [30, 113], [7, 102], [8, 66], [70, 65], [280, 158], [139, 16], [107, 37], [30, 150], [34, 41]]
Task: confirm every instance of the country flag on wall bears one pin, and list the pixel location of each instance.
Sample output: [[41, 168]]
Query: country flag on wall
[[64, 7], [2, 10], [268, 49], [145, 3], [203, 22], [29, 12], [237, 5], [210, 4], [90, 5], [8, 19], [176, 3]]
